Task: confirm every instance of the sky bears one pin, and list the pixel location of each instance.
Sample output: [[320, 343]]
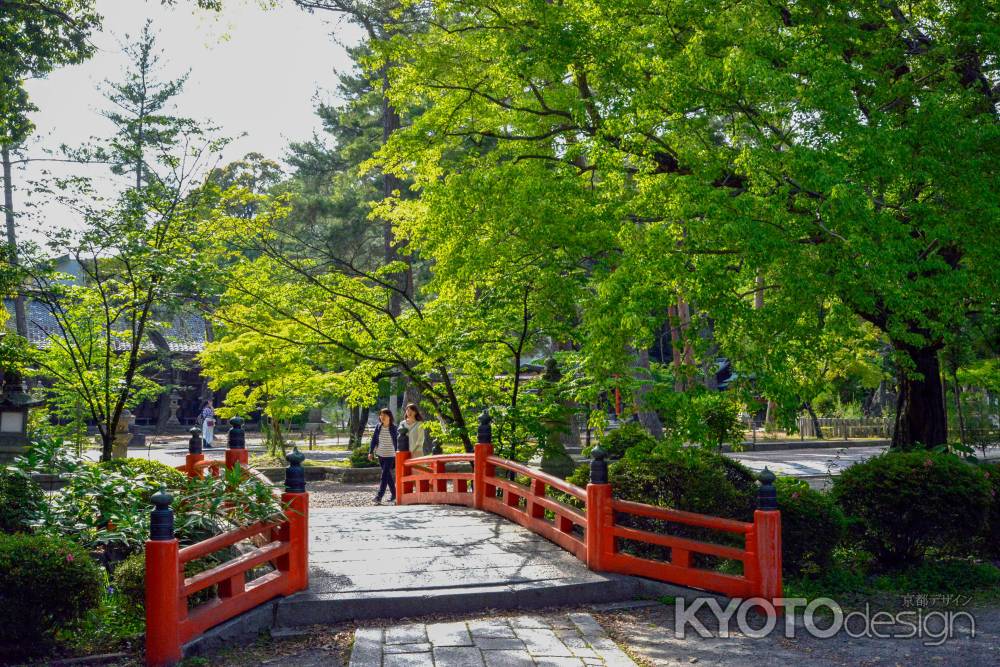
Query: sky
[[254, 72]]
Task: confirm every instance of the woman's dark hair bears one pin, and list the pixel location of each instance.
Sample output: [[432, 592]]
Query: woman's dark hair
[[416, 412], [387, 411]]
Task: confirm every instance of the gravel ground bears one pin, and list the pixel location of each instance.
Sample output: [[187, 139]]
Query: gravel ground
[[648, 636], [336, 494]]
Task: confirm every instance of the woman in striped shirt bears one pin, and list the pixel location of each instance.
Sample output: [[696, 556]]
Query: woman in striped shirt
[[383, 446]]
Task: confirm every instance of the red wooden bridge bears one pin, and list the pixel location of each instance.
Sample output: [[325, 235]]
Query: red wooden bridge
[[590, 529]]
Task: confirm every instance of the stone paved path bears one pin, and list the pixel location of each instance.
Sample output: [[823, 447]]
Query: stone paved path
[[528, 641]]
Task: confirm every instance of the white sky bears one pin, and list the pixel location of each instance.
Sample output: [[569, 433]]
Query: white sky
[[253, 70]]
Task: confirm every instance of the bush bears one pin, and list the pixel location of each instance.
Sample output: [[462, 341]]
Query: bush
[[991, 536], [359, 458], [129, 580], [720, 416], [45, 583], [160, 474], [623, 438], [684, 478], [20, 500], [812, 526], [48, 455], [103, 508], [900, 504]]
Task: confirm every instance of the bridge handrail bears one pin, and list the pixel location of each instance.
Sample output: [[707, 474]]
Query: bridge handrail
[[549, 480], [443, 458], [223, 540], [168, 623], [600, 519], [680, 516]]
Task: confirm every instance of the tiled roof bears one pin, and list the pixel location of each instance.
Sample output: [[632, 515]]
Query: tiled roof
[[186, 332]]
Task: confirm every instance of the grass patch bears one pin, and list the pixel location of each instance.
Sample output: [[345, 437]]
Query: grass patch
[[938, 583]]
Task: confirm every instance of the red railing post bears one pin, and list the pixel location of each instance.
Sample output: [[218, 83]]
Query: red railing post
[[296, 501], [767, 534], [600, 520], [483, 450], [163, 587], [403, 454], [401, 458], [237, 451]]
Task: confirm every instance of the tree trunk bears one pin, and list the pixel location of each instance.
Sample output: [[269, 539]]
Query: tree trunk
[[107, 444], [958, 404], [770, 414], [20, 316], [920, 416], [817, 429], [648, 418], [675, 346]]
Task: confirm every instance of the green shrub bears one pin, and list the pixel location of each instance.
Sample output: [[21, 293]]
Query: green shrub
[[812, 526], [108, 508], [720, 418], [20, 500], [359, 458], [45, 583], [631, 434], [684, 478], [103, 508], [160, 474], [991, 536], [901, 503], [129, 580], [49, 455]]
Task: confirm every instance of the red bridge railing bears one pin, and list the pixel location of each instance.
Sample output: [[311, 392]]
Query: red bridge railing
[[283, 542], [593, 534]]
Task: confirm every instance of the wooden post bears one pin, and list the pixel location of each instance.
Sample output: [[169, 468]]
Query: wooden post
[[536, 511], [237, 451], [297, 501], [403, 454], [163, 586], [194, 454], [767, 532], [600, 522], [401, 457], [483, 450], [439, 468]]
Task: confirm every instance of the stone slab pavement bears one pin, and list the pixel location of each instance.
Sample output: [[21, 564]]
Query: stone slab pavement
[[409, 561], [364, 550], [523, 641]]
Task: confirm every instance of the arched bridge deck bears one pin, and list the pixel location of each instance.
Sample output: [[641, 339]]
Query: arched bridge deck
[[418, 559]]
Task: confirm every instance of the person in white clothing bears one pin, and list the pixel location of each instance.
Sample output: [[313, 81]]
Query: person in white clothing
[[207, 417], [415, 429]]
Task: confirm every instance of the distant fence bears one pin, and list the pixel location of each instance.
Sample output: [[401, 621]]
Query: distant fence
[[861, 427]]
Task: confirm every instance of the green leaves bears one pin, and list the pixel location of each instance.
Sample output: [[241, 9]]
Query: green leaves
[[37, 38]]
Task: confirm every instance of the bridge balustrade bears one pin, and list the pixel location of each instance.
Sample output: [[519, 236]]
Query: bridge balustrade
[[283, 542], [592, 534]]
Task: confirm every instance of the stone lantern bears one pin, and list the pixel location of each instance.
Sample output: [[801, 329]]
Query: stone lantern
[[14, 406]]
